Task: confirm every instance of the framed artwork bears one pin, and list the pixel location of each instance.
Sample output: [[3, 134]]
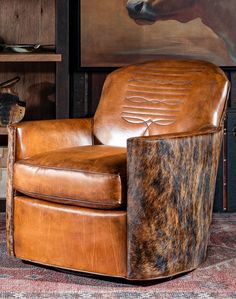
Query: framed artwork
[[118, 32]]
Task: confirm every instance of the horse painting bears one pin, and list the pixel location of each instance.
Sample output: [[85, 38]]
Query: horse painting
[[218, 15], [118, 32]]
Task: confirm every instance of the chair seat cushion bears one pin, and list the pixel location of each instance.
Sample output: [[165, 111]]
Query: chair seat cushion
[[89, 176]]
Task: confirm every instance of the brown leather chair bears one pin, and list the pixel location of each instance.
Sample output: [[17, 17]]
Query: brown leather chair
[[79, 199]]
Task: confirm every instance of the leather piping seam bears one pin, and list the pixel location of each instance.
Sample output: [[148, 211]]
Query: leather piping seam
[[73, 170], [155, 138], [70, 199], [120, 276]]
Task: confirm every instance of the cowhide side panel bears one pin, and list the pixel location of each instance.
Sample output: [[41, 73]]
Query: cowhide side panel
[[10, 190], [170, 198]]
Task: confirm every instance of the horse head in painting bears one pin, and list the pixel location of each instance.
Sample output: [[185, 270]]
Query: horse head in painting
[[218, 15], [149, 11]]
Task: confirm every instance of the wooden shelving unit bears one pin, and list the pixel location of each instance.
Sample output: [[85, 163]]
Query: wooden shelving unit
[[44, 75], [31, 22], [30, 57], [3, 131]]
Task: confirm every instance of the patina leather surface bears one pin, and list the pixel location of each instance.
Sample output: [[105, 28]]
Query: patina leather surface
[[174, 112], [35, 137], [90, 176], [70, 237], [160, 97]]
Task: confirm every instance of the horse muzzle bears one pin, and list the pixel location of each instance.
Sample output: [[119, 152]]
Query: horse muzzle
[[141, 10]]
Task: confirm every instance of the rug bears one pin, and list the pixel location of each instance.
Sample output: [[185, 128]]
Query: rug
[[216, 278]]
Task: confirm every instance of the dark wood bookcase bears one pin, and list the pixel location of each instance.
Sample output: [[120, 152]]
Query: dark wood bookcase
[[44, 76]]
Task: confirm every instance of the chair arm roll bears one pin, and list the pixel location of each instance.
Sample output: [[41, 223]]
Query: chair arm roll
[[34, 137]]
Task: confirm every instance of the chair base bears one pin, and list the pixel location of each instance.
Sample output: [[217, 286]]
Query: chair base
[[55, 236], [116, 278], [70, 237]]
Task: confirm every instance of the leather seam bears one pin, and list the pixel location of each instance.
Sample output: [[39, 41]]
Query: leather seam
[[68, 198], [74, 170]]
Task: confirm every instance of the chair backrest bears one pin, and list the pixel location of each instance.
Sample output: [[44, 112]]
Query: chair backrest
[[160, 97]]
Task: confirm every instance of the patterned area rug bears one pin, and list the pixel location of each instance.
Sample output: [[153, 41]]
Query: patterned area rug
[[216, 278]]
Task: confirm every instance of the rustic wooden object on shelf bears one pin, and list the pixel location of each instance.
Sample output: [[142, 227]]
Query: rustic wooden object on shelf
[[12, 109]]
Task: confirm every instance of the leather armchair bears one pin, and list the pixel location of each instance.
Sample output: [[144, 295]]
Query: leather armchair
[[81, 197]]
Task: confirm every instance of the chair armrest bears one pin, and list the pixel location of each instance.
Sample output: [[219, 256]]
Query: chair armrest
[[171, 184], [33, 137], [30, 138]]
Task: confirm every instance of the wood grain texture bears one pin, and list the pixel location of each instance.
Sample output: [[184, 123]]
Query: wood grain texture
[[36, 87], [3, 131], [170, 199], [10, 190], [30, 57], [39, 27], [30, 22], [62, 69]]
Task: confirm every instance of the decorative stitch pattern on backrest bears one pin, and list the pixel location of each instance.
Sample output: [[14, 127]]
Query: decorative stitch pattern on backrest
[[156, 95], [160, 97]]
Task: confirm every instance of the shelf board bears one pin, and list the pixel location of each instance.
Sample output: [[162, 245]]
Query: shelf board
[[30, 57], [3, 131]]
